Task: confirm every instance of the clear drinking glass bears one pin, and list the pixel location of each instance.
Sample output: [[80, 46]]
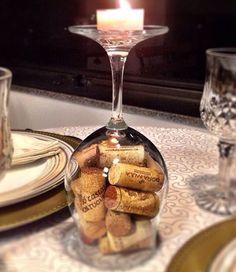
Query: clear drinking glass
[[218, 113], [6, 147], [116, 180]]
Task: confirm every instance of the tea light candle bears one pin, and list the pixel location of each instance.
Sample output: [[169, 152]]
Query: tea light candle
[[122, 19]]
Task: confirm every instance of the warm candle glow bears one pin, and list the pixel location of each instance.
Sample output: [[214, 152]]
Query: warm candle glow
[[123, 19], [124, 4]]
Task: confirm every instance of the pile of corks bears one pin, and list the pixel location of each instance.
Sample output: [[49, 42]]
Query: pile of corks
[[115, 197]]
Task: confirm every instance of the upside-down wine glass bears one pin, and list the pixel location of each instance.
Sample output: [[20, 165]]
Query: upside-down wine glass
[[116, 180], [218, 112]]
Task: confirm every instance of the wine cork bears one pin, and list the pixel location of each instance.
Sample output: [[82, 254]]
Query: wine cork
[[91, 187], [93, 230], [75, 186], [104, 246], [143, 231], [87, 156], [151, 163], [131, 201], [79, 219], [127, 154], [85, 239], [118, 224], [141, 239], [136, 177]]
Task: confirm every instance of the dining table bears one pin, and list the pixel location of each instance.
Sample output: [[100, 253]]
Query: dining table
[[49, 243]]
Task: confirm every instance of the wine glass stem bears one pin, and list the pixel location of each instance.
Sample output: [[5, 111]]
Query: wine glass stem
[[117, 63], [226, 151]]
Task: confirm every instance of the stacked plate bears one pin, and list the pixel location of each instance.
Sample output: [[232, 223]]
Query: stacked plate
[[225, 260], [211, 250], [34, 177]]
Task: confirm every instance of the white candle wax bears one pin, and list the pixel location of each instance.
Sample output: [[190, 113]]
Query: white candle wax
[[120, 19]]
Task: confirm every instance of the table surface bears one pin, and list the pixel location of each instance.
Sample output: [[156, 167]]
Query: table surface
[[46, 244]]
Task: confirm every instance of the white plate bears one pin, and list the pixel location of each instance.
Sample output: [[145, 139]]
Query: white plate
[[225, 260], [26, 181]]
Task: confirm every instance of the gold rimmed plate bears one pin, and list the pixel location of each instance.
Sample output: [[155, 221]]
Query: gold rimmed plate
[[225, 259], [46, 194], [26, 181], [200, 251]]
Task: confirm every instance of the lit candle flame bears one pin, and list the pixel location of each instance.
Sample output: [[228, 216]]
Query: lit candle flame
[[124, 4], [123, 18]]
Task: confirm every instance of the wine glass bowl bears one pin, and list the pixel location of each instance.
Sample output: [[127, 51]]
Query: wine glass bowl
[[116, 197], [116, 181], [218, 104], [218, 113]]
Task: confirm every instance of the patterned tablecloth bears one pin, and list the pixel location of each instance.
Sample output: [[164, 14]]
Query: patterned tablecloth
[[47, 245]]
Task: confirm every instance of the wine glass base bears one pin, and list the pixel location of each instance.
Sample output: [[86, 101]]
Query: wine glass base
[[217, 201]]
